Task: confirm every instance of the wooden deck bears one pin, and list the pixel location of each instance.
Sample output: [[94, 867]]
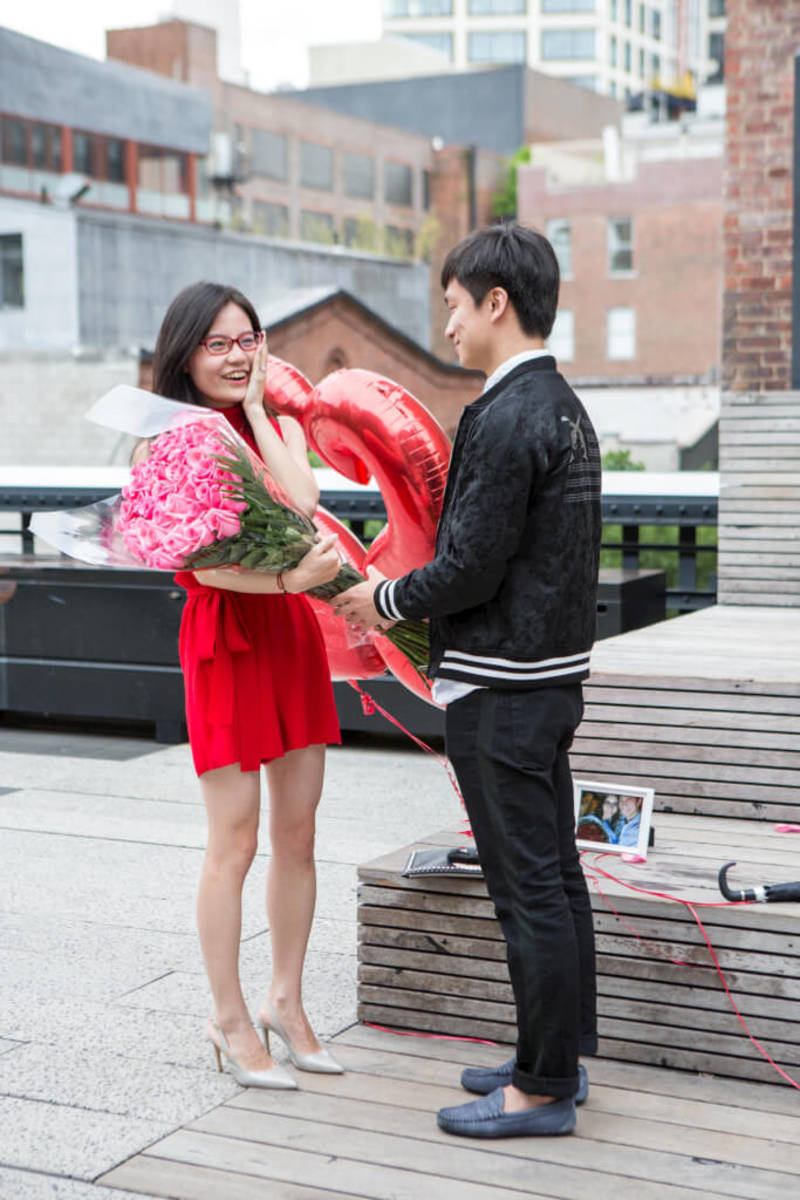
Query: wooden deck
[[432, 957], [704, 708], [645, 1134]]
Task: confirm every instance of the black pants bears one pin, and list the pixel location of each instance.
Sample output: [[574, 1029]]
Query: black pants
[[509, 751]]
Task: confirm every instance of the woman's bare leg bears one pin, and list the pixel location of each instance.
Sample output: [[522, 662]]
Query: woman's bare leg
[[295, 786], [232, 798]]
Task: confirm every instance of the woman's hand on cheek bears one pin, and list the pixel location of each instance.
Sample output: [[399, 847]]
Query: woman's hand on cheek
[[254, 397]]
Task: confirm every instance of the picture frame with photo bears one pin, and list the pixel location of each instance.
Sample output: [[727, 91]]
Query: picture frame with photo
[[612, 818]]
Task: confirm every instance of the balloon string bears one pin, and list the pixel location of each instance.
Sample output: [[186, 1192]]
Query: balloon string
[[692, 907], [370, 705]]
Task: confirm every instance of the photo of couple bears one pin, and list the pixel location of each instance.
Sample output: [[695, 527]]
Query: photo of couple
[[617, 817]]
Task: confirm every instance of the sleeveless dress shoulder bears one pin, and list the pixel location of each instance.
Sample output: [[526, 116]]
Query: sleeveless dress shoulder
[[255, 670]]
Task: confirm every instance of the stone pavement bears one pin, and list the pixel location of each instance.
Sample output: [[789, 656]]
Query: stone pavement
[[102, 991]]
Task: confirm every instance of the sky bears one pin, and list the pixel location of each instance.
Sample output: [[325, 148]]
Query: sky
[[275, 33]]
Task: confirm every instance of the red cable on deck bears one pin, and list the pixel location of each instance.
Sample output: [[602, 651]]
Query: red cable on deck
[[692, 909]]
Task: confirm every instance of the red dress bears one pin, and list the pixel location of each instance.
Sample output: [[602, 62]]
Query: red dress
[[255, 670]]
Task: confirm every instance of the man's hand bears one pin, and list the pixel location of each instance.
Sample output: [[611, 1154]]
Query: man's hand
[[357, 607]]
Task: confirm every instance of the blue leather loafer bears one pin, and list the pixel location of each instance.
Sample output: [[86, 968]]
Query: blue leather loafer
[[486, 1079], [485, 1118]]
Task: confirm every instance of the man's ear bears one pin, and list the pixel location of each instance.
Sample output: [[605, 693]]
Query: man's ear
[[497, 300]]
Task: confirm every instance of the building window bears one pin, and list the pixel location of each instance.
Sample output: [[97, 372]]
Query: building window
[[559, 234], [15, 149], [642, 19], [568, 6], [627, 56], [361, 233], [399, 243], [504, 46], [84, 154], [316, 166], [656, 24], [271, 220], [641, 64], [441, 42], [716, 8], [397, 181], [418, 8], [46, 147], [115, 160], [620, 245], [621, 333], [561, 342], [655, 66], [426, 190], [614, 13], [359, 176], [163, 182], [629, 13], [716, 51], [12, 276], [612, 51], [502, 8], [269, 156], [317, 227], [567, 44]]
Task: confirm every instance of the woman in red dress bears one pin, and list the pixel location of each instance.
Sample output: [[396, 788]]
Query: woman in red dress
[[257, 691]]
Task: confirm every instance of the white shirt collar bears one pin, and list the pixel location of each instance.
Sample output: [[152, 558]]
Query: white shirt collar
[[510, 363]]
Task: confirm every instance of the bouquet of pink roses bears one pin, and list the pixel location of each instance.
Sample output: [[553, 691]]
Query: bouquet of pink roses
[[203, 499], [178, 500]]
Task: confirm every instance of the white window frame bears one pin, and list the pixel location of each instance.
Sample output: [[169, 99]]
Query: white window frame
[[552, 229], [621, 334], [561, 342]]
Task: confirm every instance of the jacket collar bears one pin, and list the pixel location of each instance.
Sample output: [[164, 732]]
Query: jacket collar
[[544, 362]]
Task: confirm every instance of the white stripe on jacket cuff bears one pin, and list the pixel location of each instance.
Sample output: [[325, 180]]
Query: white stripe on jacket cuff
[[384, 600]]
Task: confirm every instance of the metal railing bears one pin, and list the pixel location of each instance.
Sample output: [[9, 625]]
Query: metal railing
[[632, 502]]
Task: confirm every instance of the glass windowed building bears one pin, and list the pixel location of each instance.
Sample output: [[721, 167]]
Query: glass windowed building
[[618, 47]]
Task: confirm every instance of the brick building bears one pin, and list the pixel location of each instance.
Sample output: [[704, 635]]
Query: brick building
[[762, 40], [641, 259], [115, 137], [321, 331], [287, 167]]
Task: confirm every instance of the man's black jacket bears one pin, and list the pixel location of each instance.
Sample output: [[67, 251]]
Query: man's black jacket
[[512, 590]]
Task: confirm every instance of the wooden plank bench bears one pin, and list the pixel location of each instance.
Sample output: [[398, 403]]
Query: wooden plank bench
[[705, 709], [431, 955]]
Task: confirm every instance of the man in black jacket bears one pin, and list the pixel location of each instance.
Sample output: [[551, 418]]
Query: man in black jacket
[[511, 597]]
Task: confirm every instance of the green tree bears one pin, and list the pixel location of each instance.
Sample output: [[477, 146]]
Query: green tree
[[504, 202], [620, 460]]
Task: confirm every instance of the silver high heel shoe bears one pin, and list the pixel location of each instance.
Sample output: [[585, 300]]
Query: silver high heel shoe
[[321, 1061], [274, 1077]]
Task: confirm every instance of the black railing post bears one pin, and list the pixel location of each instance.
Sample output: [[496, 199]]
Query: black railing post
[[687, 558], [630, 547]]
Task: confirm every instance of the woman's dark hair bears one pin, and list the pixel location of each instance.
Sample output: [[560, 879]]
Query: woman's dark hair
[[186, 322], [517, 259]]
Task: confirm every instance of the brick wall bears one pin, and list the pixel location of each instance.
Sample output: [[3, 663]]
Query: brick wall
[[762, 37], [675, 287], [173, 48]]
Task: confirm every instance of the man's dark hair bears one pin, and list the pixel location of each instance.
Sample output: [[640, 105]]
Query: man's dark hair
[[186, 322], [517, 259]]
